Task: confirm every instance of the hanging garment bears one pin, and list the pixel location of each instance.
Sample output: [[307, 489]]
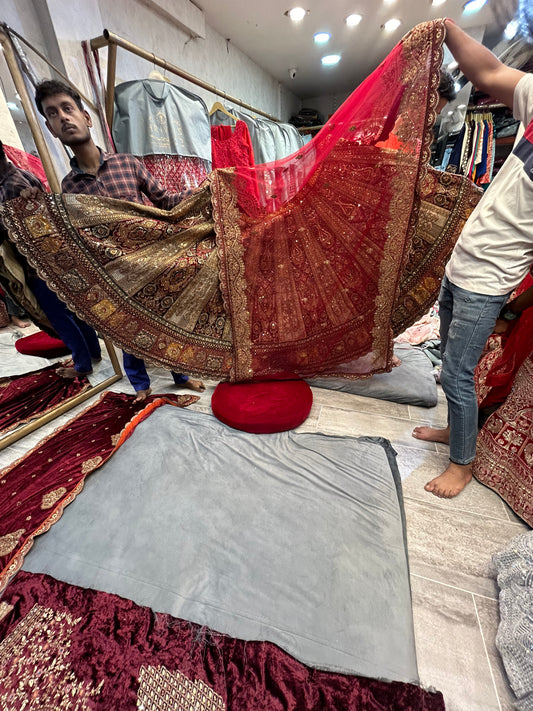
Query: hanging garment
[[231, 148], [175, 173], [26, 161], [342, 246], [154, 117]]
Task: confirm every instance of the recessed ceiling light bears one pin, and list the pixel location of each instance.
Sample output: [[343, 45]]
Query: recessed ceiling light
[[353, 20], [392, 25], [389, 2], [322, 37], [511, 29], [452, 66], [473, 6], [331, 59], [296, 14], [462, 106], [457, 87], [436, 3], [12, 106]]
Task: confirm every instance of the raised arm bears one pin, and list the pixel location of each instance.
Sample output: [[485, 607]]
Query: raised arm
[[481, 66]]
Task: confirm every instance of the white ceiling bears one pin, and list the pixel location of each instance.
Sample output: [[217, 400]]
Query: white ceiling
[[261, 30]]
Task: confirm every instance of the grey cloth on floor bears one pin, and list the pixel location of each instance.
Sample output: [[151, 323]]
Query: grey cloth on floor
[[294, 538], [515, 633], [411, 383]]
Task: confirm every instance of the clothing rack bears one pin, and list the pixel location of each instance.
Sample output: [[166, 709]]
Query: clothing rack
[[112, 41]]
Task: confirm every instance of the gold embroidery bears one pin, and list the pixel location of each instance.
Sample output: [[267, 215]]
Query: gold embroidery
[[90, 465], [5, 609], [9, 542], [104, 308], [34, 665], [52, 497], [163, 690], [38, 225]]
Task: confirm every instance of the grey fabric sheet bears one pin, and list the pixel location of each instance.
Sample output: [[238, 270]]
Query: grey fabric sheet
[[411, 383], [294, 538]]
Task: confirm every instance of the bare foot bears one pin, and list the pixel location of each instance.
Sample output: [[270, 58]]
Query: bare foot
[[20, 322], [195, 385], [142, 395], [451, 482], [396, 361], [71, 373], [432, 434]]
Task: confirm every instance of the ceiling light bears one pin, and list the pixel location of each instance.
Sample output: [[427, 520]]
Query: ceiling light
[[389, 2], [353, 20], [12, 106], [322, 37], [392, 25], [457, 87], [462, 106], [436, 3], [511, 30], [452, 66], [473, 6], [331, 59], [297, 14]]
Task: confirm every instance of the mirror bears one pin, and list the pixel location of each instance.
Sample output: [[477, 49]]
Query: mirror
[[31, 408]]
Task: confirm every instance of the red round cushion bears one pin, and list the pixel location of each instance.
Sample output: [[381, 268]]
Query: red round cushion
[[262, 408], [41, 344]]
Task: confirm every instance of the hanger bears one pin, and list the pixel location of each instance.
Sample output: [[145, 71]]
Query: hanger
[[217, 106], [154, 74]]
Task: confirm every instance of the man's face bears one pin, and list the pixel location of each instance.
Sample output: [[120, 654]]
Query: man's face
[[66, 121]]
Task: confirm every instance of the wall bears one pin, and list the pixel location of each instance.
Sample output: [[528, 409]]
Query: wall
[[211, 59]]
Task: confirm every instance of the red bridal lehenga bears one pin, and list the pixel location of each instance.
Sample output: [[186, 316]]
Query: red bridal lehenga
[[309, 264]]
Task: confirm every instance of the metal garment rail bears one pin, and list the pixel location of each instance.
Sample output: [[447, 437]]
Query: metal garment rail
[[112, 41]]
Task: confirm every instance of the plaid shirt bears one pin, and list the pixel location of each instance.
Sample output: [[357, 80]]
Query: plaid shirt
[[14, 180], [120, 176]]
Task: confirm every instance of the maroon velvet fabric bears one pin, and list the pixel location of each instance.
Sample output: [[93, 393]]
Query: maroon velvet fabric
[[36, 488], [106, 640], [263, 407], [25, 397], [41, 344]]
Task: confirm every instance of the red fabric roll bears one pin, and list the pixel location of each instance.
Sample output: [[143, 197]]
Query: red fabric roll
[[41, 344], [264, 407]]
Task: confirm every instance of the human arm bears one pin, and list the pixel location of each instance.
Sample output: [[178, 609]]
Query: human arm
[[481, 66], [156, 192], [516, 306]]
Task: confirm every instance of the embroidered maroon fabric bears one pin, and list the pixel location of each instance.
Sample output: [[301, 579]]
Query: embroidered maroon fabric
[[177, 173], [25, 397], [261, 408], [41, 344], [36, 488], [61, 642]]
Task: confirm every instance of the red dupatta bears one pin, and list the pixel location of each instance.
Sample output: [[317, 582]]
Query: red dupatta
[[315, 260]]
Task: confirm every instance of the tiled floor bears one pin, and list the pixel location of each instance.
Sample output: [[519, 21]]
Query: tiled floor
[[450, 544]]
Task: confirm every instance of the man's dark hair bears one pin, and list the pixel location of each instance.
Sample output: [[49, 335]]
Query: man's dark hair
[[2, 152], [447, 85], [51, 87]]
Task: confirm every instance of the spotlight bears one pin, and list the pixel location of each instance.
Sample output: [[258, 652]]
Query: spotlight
[[392, 25], [353, 20], [473, 6], [331, 59], [322, 37], [296, 14]]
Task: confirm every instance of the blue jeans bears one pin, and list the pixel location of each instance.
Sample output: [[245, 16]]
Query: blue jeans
[[137, 375], [466, 321], [79, 337]]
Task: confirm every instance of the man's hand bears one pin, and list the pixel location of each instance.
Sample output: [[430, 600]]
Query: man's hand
[[502, 326], [30, 193]]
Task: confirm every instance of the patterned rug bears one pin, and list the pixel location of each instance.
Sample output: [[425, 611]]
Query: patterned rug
[[66, 647], [36, 488]]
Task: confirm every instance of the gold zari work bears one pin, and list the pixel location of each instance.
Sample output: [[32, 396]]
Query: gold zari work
[[163, 690]]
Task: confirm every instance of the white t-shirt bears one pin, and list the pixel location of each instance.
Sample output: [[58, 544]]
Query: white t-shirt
[[495, 249]]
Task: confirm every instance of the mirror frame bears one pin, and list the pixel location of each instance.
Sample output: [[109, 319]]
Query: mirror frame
[[40, 142]]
